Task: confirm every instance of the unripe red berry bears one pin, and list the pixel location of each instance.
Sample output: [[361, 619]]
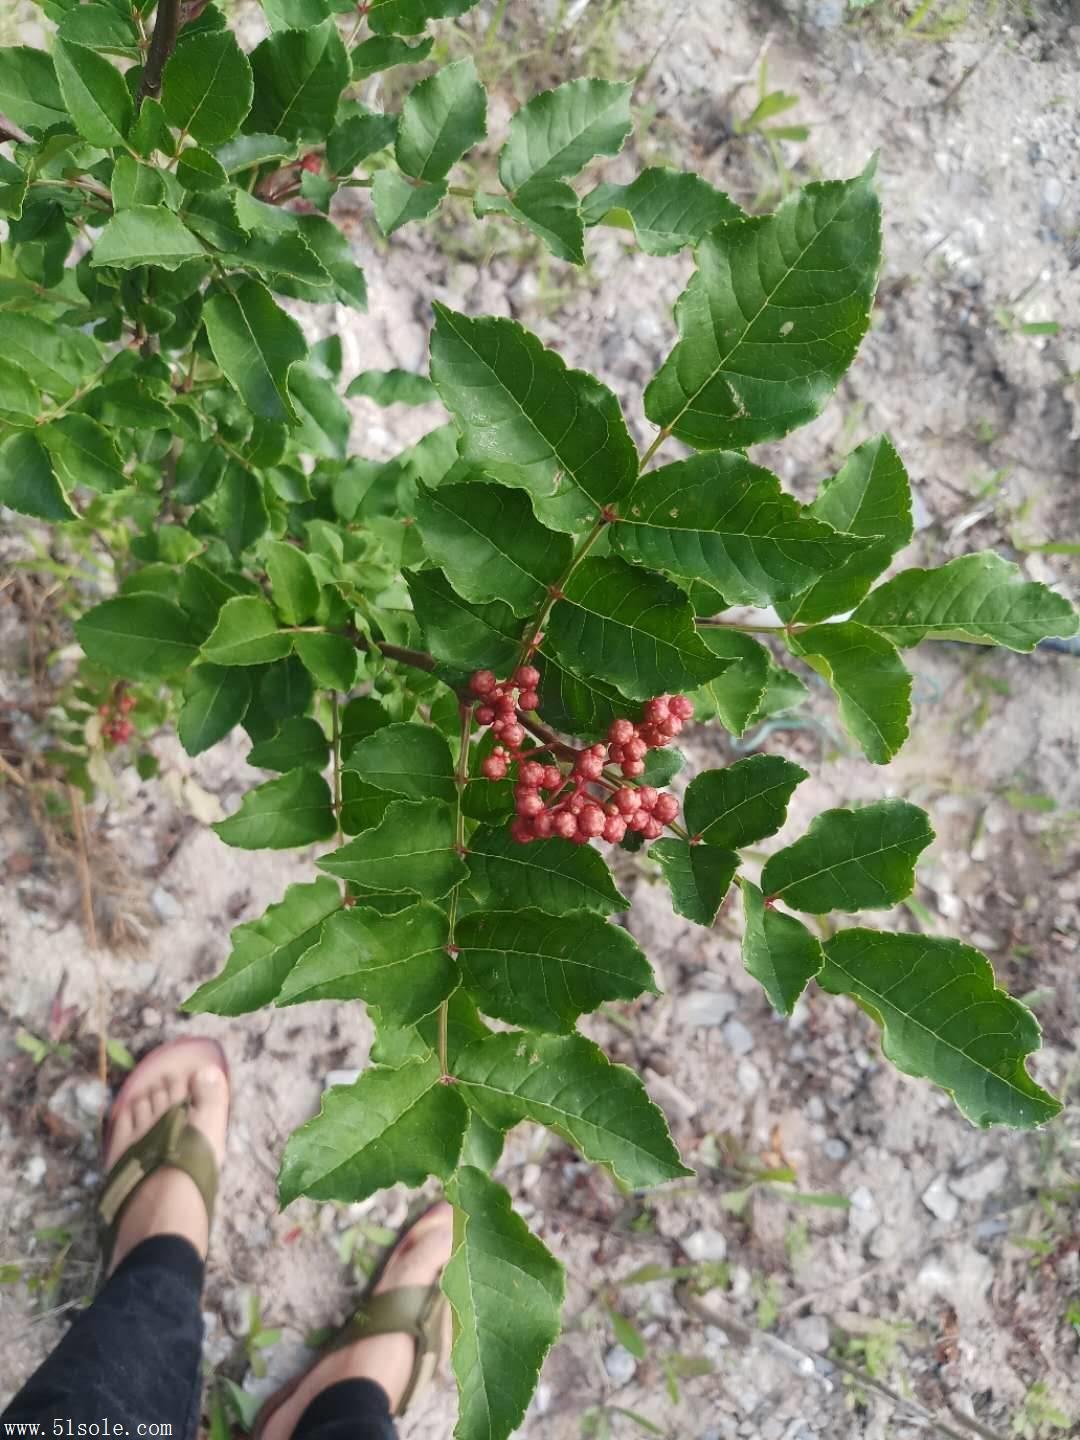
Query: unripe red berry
[[589, 766], [513, 735], [627, 800], [485, 715], [653, 829], [124, 731], [566, 824], [614, 829], [591, 821], [635, 748], [577, 802], [552, 777], [528, 700], [104, 709], [652, 736], [653, 711], [633, 768], [599, 750], [647, 796], [493, 767], [666, 808], [682, 707], [529, 805], [544, 825], [579, 838], [127, 703], [616, 754], [527, 677], [611, 808], [521, 830], [531, 773], [482, 682], [638, 820], [501, 753], [504, 704], [620, 731]]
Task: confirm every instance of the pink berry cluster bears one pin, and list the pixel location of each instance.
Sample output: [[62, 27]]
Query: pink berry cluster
[[552, 802], [117, 727]]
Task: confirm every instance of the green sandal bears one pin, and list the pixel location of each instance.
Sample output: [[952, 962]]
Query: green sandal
[[170, 1142]]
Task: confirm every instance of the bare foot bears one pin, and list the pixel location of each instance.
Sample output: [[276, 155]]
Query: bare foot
[[388, 1359], [169, 1203]]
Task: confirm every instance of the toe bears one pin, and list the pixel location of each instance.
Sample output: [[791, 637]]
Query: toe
[[210, 1104]]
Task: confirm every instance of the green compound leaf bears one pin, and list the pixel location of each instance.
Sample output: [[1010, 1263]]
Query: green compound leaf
[[409, 17], [256, 344], [720, 519], [20, 399], [299, 741], [390, 1127], [295, 809], [666, 209], [397, 201], [733, 697], [357, 137], [457, 633], [28, 482], [246, 633], [293, 585], [398, 963], [215, 700], [135, 184], [980, 598], [784, 693], [59, 361], [528, 420], [207, 87], [443, 117], [944, 1019], [237, 509], [552, 875], [383, 52], [772, 318], [568, 1084], [145, 235], [411, 760], [559, 131], [871, 682], [870, 495], [506, 1292], [264, 951], [95, 94], [333, 660], [543, 971], [490, 545], [631, 628], [142, 637], [576, 704], [851, 859], [298, 76], [393, 387], [743, 803], [698, 876], [411, 849], [199, 170], [29, 94], [295, 14], [550, 209], [778, 950]]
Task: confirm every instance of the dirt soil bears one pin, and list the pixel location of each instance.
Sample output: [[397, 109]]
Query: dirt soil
[[939, 1260]]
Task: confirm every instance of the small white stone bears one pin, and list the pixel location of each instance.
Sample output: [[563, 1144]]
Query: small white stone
[[91, 1097], [34, 1170], [939, 1201], [748, 1076], [620, 1365], [706, 1245], [815, 1108], [738, 1037], [979, 1183], [706, 1007], [810, 1332], [166, 906]]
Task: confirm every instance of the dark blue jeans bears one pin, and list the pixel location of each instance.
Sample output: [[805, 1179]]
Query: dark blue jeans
[[134, 1359]]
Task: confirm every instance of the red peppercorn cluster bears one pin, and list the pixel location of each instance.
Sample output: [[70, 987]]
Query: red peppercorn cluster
[[117, 727], [552, 802]]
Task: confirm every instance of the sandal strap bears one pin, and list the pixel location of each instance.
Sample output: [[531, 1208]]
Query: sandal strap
[[415, 1310], [170, 1143]]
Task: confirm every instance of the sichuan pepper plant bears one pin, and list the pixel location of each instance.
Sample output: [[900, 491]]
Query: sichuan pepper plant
[[490, 643]]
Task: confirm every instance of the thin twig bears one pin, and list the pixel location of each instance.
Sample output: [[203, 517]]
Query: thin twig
[[162, 45], [82, 866], [11, 773]]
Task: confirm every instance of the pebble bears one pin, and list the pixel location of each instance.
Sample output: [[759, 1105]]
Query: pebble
[[938, 1200], [810, 1332], [91, 1096], [706, 1245], [980, 1182], [706, 1007], [166, 906], [150, 1017], [815, 1108], [863, 1214], [748, 1077], [620, 1365], [33, 1171], [739, 1039], [1053, 192], [836, 1149]]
